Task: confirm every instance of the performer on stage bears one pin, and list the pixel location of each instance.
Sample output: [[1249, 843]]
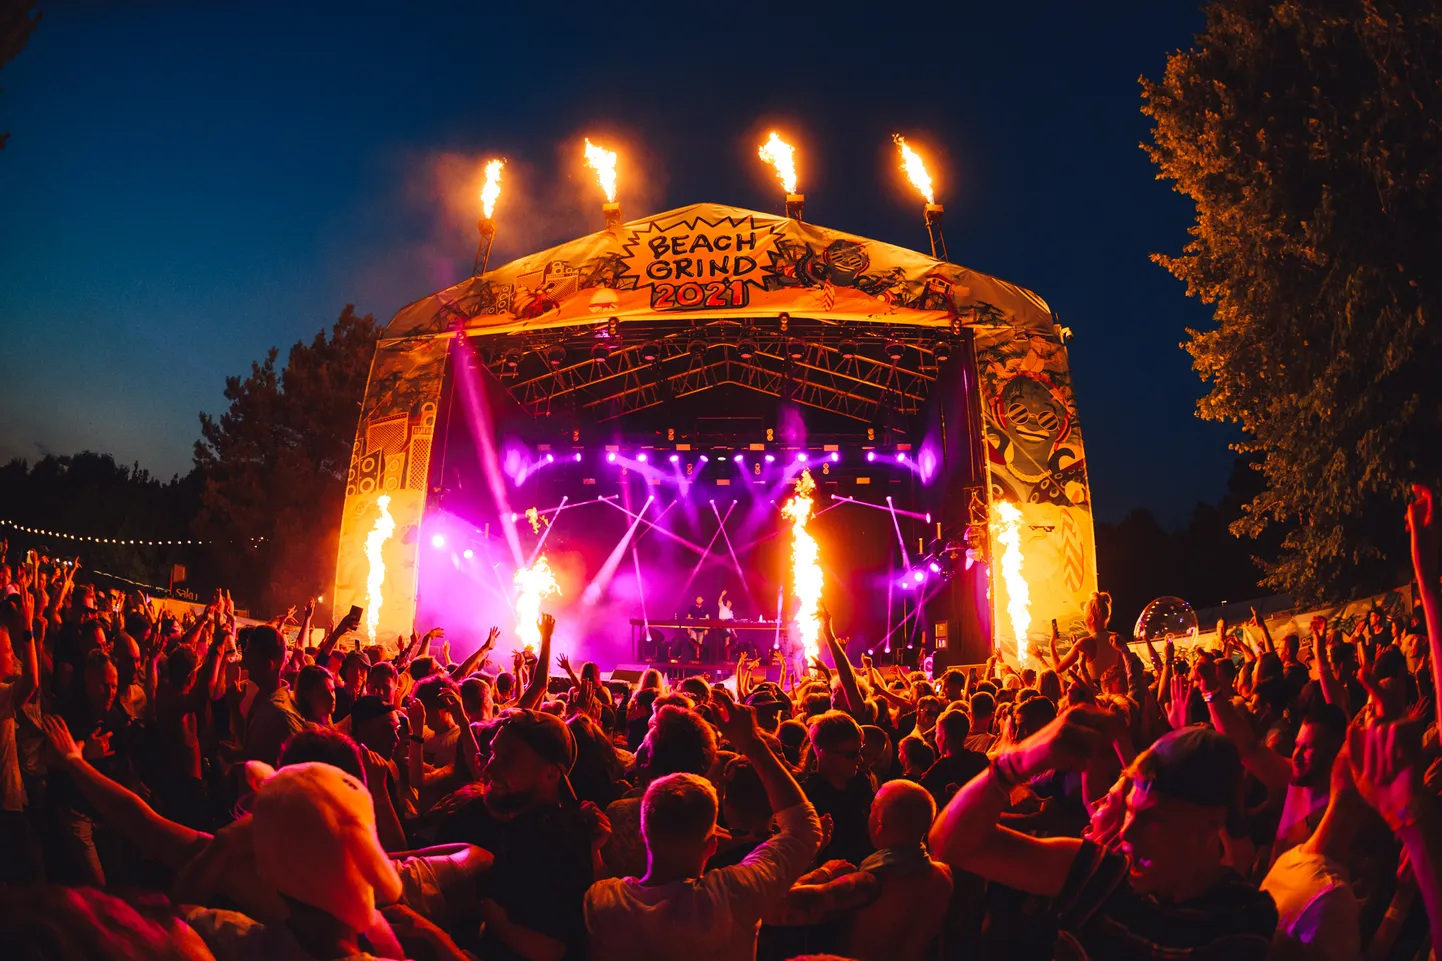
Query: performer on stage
[[697, 612], [727, 638]]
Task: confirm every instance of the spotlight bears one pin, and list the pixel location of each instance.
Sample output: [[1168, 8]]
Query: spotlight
[[550, 458], [785, 319], [578, 457], [770, 459], [600, 352], [515, 517], [468, 553], [835, 456], [941, 350], [697, 349], [513, 359], [928, 517], [739, 458], [796, 350], [611, 457], [919, 576], [847, 348], [935, 567], [705, 459], [801, 457], [870, 456], [674, 458], [746, 349], [650, 351], [438, 541], [556, 355], [901, 457], [895, 351], [641, 457]]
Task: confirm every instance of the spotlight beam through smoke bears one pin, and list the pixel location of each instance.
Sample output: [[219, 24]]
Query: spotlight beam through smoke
[[602, 580], [651, 525], [905, 557], [843, 499], [478, 416]]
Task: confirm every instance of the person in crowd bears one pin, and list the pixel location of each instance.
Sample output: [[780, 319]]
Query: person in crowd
[[983, 711], [678, 909], [838, 788], [354, 673], [272, 716], [917, 757], [315, 695], [956, 763]]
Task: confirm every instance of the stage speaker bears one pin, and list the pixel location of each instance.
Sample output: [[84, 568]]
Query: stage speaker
[[629, 673]]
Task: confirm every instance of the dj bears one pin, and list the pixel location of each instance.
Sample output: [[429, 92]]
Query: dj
[[697, 636]]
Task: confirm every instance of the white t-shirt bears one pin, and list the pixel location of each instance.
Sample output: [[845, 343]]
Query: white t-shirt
[[711, 918], [1315, 905]]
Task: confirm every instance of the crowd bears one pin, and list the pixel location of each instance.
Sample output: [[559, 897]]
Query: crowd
[[183, 788]]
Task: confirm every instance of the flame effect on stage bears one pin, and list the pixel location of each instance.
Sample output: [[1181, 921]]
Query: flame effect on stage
[[1006, 531], [915, 168], [492, 188], [781, 155], [384, 527], [533, 584], [603, 161], [805, 566]]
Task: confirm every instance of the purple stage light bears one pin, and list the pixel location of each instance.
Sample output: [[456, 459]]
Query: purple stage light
[[438, 541], [770, 459], [739, 458], [870, 456], [928, 517], [641, 457], [801, 457], [674, 458], [550, 458], [515, 517], [835, 456], [611, 457], [468, 553], [935, 567], [705, 459], [901, 457], [919, 576], [578, 457]]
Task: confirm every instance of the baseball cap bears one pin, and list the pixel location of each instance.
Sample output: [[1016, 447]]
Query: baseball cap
[[764, 698], [313, 830], [1195, 764], [369, 707], [548, 736]]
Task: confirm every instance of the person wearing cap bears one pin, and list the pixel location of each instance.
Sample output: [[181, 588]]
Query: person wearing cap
[[525, 814], [1165, 892]]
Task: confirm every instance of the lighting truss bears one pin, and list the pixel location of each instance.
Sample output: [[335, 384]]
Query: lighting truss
[[845, 369]]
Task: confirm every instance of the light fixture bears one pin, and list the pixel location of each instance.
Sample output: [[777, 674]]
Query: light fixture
[[746, 349], [600, 352], [705, 459], [468, 553], [935, 567], [796, 350], [895, 351], [438, 541], [513, 359], [835, 457], [919, 576], [901, 457], [650, 351], [785, 319], [578, 457], [611, 457], [739, 458], [801, 457], [870, 456], [550, 458], [641, 457], [674, 458], [770, 459], [556, 355], [697, 349], [847, 348], [941, 350]]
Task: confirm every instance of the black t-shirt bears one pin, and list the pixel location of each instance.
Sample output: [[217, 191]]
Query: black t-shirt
[[949, 773], [1101, 917], [697, 612], [850, 808], [541, 872], [344, 703]]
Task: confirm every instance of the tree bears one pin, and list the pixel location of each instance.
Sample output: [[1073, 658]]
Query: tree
[[16, 25], [275, 463], [1307, 135]]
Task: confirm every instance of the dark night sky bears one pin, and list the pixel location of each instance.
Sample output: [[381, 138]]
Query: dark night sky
[[186, 187]]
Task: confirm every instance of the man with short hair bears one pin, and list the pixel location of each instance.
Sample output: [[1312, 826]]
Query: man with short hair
[[273, 716], [838, 787], [956, 763], [680, 910], [983, 708], [524, 812], [1166, 893]]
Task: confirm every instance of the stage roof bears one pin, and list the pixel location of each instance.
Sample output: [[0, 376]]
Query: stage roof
[[706, 261]]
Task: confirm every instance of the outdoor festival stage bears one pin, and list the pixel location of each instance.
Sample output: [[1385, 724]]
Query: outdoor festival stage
[[633, 410]]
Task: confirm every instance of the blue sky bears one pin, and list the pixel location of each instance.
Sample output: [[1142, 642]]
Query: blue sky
[[189, 184]]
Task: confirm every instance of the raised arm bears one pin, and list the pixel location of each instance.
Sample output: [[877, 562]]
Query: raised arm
[[1271, 768], [843, 665], [478, 657], [536, 689], [1426, 529]]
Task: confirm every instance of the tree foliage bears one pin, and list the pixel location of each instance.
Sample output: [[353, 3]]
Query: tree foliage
[[16, 26], [1307, 134], [275, 463]]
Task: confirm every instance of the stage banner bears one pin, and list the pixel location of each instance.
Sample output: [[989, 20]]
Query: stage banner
[[1037, 463], [385, 490], [711, 259]]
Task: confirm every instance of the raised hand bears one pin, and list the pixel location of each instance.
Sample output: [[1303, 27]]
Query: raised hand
[[547, 626], [563, 662], [737, 723], [58, 735], [1384, 761], [416, 714], [491, 637], [1426, 530]]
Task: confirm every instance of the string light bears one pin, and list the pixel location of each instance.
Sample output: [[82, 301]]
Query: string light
[[139, 542]]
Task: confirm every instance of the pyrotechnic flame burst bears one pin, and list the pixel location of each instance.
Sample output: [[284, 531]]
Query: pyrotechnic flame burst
[[532, 584], [805, 565], [915, 168], [384, 527], [534, 516], [603, 161], [781, 155], [1006, 531], [492, 188]]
